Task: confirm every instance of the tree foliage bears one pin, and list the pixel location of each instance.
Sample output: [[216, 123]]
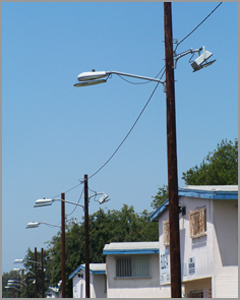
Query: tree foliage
[[161, 196], [219, 167], [9, 293], [104, 227]]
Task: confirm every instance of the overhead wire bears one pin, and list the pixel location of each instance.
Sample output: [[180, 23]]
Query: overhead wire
[[67, 215], [198, 25], [149, 99]]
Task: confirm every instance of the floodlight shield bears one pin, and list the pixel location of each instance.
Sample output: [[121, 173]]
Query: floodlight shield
[[199, 67]]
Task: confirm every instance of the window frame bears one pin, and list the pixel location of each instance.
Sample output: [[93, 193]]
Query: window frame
[[166, 232], [197, 223], [133, 259]]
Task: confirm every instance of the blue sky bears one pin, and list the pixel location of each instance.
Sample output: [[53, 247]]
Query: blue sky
[[53, 133]]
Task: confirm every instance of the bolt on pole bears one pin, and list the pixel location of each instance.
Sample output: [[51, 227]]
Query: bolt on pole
[[172, 158], [86, 237]]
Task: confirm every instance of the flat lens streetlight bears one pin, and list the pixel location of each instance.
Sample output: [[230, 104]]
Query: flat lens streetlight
[[91, 78], [37, 224], [43, 202]]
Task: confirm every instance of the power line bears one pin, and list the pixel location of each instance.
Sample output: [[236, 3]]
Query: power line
[[81, 181], [197, 26], [127, 133]]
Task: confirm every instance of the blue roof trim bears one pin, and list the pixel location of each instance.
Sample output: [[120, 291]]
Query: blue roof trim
[[216, 195], [159, 211], [83, 268], [129, 251]]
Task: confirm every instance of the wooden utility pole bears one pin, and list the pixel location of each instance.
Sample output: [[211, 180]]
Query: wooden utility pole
[[43, 294], [172, 158], [63, 245], [36, 292], [87, 282]]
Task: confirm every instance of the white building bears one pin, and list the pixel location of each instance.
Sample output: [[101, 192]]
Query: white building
[[132, 269], [53, 292], [208, 224], [97, 279]]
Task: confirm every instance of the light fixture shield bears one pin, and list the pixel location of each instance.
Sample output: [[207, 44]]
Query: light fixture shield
[[33, 225], [90, 82], [91, 75], [43, 202]]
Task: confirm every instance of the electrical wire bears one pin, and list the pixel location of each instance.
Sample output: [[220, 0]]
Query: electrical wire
[[129, 130], [82, 181], [198, 25], [67, 215]]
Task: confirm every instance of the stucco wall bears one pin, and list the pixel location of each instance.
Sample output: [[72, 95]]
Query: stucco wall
[[133, 287], [198, 249], [225, 277]]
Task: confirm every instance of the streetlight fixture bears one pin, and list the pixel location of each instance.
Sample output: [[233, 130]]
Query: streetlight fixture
[[37, 224], [92, 78], [48, 202], [22, 260]]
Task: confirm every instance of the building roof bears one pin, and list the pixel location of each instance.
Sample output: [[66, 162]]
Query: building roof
[[215, 192], [94, 268], [131, 248]]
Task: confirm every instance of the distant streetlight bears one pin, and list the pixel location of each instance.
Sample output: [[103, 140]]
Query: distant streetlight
[[48, 202], [22, 260], [37, 224]]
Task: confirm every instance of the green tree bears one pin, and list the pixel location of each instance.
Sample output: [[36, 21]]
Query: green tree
[[104, 227], [219, 167], [161, 196], [6, 292]]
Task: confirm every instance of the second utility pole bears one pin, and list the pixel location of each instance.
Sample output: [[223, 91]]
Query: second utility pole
[[86, 237], [63, 245], [172, 158]]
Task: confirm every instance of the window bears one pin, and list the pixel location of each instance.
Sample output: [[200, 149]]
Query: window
[[197, 220], [130, 266], [166, 233], [196, 294]]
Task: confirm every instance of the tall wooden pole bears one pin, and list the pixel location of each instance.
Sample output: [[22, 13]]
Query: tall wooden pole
[[172, 158], [87, 280], [63, 245], [36, 295], [43, 296]]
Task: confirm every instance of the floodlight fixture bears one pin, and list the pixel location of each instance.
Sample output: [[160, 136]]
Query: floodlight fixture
[[200, 62], [103, 199]]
